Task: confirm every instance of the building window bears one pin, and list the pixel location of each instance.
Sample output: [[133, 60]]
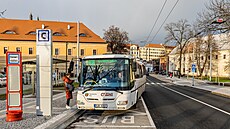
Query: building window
[[9, 32], [57, 34], [202, 58], [5, 49], [30, 51], [69, 52], [82, 52], [216, 56], [224, 57], [18, 49], [31, 33], [56, 51], [82, 35], [94, 52]]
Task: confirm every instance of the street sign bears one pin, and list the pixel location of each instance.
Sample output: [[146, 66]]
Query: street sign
[[193, 68], [13, 86], [44, 70]]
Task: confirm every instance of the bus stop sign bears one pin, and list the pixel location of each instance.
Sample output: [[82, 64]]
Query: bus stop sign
[[193, 68], [13, 86]]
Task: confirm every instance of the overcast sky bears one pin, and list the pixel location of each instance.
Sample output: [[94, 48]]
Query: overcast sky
[[134, 16]]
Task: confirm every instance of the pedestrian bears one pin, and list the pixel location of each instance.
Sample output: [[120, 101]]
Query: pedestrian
[[171, 74], [120, 77], [69, 95]]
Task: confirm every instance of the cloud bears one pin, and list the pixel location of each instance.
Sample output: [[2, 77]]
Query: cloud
[[134, 16]]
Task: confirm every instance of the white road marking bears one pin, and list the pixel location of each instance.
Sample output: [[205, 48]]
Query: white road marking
[[218, 109], [137, 113], [148, 114], [110, 126]]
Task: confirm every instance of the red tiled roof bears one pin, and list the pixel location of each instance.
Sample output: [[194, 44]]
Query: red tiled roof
[[22, 28], [154, 45]]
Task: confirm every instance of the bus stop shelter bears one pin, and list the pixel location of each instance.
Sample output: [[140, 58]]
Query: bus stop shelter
[[30, 65]]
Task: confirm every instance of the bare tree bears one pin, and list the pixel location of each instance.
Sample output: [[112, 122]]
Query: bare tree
[[202, 52], [207, 23], [2, 13], [180, 32], [216, 9], [116, 39]]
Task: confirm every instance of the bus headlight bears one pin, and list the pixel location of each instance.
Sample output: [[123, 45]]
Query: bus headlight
[[122, 102]]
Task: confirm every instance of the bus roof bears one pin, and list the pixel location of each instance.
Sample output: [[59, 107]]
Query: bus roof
[[108, 56]]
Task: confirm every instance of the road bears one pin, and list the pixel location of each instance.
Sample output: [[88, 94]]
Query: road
[[133, 118], [182, 107], [169, 106]]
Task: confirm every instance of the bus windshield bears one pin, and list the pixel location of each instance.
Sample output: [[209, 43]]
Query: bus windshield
[[105, 73]]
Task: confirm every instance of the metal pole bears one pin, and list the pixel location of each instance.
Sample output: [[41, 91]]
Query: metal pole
[[78, 38], [66, 56], [193, 51], [130, 49], [210, 79]]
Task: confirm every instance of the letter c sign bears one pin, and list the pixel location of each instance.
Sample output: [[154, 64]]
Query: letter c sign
[[43, 35]]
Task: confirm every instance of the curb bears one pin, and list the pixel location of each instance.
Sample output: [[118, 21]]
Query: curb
[[63, 120], [221, 83], [220, 94]]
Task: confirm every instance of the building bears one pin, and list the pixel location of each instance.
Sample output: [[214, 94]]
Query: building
[[219, 59], [133, 50], [156, 56], [20, 35], [164, 60], [151, 51]]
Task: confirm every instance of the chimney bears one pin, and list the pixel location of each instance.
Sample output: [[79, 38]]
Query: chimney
[[31, 16], [68, 27], [43, 26]]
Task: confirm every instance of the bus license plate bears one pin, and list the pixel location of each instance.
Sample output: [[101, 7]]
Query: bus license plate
[[100, 106]]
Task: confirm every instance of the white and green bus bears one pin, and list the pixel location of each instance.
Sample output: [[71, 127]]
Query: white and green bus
[[110, 82]]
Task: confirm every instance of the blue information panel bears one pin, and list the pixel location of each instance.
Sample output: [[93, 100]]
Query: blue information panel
[[193, 68], [13, 58]]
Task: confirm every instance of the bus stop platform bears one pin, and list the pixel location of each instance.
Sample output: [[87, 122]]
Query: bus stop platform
[[31, 120]]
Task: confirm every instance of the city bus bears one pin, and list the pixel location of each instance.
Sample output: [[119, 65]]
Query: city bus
[[110, 82]]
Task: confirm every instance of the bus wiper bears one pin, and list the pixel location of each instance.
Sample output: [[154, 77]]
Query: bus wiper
[[117, 91], [88, 89]]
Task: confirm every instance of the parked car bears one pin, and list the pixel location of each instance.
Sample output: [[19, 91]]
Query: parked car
[[2, 80]]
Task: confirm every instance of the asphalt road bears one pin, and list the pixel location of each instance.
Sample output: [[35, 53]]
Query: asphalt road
[[181, 107]]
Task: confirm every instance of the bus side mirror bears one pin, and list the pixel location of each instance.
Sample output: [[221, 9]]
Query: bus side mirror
[[134, 66]]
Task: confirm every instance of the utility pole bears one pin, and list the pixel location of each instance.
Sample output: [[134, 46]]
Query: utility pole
[[210, 78], [78, 40], [193, 61], [130, 48], [66, 56]]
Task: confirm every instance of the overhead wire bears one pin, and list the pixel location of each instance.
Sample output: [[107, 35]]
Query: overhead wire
[[165, 20], [156, 20]]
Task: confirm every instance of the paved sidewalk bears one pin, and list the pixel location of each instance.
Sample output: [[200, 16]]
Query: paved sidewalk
[[200, 84], [30, 120]]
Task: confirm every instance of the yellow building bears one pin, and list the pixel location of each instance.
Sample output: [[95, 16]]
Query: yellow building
[[20, 35]]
